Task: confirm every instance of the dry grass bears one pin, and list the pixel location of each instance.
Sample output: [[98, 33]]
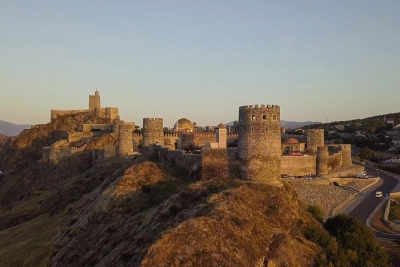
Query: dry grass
[[28, 244]]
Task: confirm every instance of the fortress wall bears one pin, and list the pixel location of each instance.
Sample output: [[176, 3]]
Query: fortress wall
[[298, 165], [136, 141], [76, 149], [189, 162], [56, 113], [346, 172], [110, 113], [200, 139], [214, 163], [185, 140], [101, 127], [76, 136], [334, 161], [170, 140], [110, 151]]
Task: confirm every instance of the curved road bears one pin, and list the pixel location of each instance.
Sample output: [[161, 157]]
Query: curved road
[[367, 202]]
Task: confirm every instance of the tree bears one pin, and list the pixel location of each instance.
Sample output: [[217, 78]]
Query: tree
[[358, 245], [366, 153]]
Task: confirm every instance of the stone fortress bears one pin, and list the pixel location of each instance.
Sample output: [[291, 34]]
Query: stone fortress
[[262, 154]]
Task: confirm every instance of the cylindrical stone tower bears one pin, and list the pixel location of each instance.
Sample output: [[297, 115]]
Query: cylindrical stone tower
[[259, 136], [153, 132], [346, 155], [322, 160], [315, 138], [125, 146]]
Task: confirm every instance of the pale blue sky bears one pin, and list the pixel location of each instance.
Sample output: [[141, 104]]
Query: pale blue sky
[[200, 59]]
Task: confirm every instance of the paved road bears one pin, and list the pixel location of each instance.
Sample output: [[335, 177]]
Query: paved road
[[366, 202]]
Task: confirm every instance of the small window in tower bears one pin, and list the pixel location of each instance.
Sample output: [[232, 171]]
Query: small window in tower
[[274, 117], [264, 117], [252, 129], [253, 117], [266, 129]]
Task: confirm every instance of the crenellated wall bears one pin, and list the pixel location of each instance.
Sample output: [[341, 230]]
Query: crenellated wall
[[76, 136], [259, 143], [56, 113]]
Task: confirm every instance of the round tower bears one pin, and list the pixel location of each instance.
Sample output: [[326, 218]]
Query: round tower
[[125, 146], [315, 138], [153, 132], [346, 155], [322, 160], [259, 143]]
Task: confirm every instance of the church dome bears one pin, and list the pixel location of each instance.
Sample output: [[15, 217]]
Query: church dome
[[291, 141]]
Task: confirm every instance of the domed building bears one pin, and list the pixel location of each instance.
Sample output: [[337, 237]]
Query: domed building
[[183, 125], [292, 145]]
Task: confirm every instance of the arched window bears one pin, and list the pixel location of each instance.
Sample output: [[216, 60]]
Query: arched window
[[274, 117], [264, 117], [253, 117]]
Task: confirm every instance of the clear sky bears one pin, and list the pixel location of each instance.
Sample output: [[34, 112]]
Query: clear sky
[[318, 60]]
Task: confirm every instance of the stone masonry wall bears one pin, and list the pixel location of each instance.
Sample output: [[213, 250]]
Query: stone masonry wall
[[125, 146], [153, 132], [298, 165], [214, 163], [76, 136], [260, 143], [334, 161]]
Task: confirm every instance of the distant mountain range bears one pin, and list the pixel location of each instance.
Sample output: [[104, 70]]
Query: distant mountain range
[[11, 129], [289, 124]]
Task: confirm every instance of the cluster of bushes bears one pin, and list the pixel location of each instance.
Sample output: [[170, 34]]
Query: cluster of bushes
[[346, 242]]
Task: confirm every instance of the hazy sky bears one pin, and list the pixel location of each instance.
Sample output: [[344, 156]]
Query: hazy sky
[[200, 59]]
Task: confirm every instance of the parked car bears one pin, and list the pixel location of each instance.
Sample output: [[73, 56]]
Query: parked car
[[378, 194]]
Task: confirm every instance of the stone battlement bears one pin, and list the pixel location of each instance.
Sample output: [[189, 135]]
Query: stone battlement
[[268, 107], [171, 135], [152, 119]]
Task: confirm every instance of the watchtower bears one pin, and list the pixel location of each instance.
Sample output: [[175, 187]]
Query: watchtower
[[94, 102], [322, 160], [221, 136], [346, 155], [259, 143], [125, 146], [315, 138], [153, 132]]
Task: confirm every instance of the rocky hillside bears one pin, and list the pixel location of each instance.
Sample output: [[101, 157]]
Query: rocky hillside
[[134, 212]]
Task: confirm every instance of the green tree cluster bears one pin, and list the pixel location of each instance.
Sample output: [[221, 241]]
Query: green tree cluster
[[349, 244]]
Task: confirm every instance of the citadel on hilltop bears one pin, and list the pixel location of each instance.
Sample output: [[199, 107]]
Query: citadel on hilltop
[[256, 151]]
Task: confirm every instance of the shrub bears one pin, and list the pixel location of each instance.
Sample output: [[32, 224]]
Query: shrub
[[316, 212]]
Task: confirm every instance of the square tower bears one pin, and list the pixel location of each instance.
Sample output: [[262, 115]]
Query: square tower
[[94, 102]]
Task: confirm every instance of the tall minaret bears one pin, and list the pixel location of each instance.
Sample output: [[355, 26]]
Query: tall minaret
[[221, 136]]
